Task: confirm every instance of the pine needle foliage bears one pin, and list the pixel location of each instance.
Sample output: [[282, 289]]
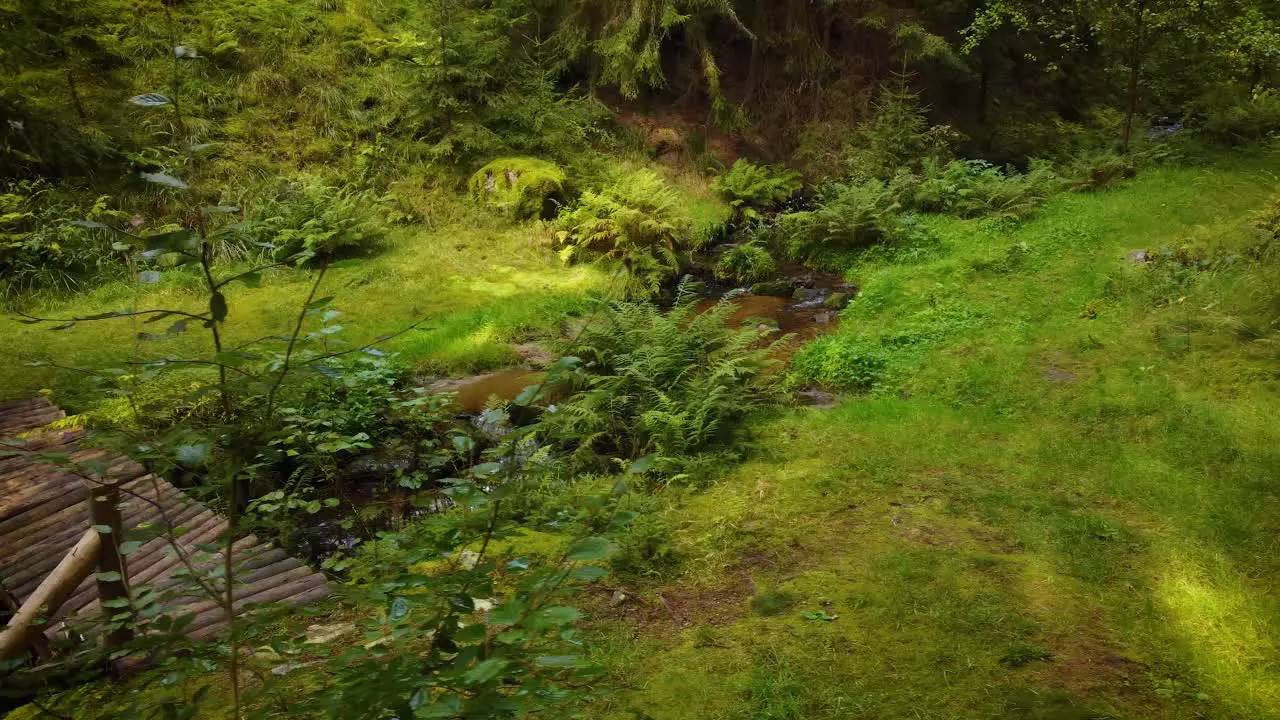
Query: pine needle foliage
[[662, 386]]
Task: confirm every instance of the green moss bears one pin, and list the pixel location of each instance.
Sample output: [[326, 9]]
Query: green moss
[[1034, 514], [519, 187]]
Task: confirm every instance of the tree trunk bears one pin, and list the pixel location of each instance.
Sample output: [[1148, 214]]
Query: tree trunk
[[75, 94], [1135, 71]]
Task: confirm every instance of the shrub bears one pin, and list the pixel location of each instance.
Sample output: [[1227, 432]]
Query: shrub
[[840, 361], [636, 221], [1237, 121], [661, 386], [745, 264], [1099, 170], [40, 249], [1267, 221], [750, 188], [972, 188], [847, 217], [320, 221], [519, 187]]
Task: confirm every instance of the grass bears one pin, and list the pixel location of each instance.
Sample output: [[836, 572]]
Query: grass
[[1041, 509], [477, 289], [1054, 501]]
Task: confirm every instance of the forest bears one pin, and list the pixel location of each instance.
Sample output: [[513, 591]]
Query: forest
[[640, 359]]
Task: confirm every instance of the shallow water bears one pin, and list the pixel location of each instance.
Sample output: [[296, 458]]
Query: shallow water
[[802, 316], [473, 393]]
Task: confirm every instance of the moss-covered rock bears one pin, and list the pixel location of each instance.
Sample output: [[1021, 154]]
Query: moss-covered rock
[[518, 186], [837, 301], [776, 288]]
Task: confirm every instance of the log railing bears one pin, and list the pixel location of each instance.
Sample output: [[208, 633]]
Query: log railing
[[98, 547]]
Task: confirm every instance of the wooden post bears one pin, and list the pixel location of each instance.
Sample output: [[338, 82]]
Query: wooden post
[[104, 509], [50, 594]]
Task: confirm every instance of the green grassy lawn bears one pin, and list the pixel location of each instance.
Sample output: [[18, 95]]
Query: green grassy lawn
[[478, 285], [1059, 502], [477, 289]]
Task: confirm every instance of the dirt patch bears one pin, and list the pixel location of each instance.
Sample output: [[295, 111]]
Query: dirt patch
[[994, 540], [1085, 672], [673, 607]]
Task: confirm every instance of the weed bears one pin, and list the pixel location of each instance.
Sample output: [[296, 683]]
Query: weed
[[1023, 653], [773, 602]]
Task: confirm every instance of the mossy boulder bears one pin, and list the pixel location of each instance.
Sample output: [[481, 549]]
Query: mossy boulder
[[776, 288], [837, 301], [521, 187]]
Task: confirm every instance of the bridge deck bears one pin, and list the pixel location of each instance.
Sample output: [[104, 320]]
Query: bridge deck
[[43, 513]]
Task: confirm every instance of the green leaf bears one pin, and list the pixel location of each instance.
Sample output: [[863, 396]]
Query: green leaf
[[484, 671], [399, 609], [641, 464], [509, 613], [622, 518], [559, 660], [528, 395], [590, 549], [164, 179], [488, 468], [121, 247], [129, 547], [150, 100], [176, 241], [221, 209], [194, 454], [557, 615], [588, 573], [234, 358], [112, 576], [446, 706], [115, 602], [103, 529], [218, 307], [90, 224]]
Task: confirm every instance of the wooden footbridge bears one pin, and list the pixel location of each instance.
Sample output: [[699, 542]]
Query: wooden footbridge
[[55, 563]]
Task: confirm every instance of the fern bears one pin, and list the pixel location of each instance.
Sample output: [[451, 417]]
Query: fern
[[752, 188], [638, 223], [662, 384]]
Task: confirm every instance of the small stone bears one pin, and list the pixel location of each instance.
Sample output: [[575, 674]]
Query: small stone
[[483, 605], [816, 397], [823, 318], [618, 598], [1137, 257], [837, 301]]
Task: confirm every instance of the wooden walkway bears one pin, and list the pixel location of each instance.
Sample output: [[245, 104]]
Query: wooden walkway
[[43, 513]]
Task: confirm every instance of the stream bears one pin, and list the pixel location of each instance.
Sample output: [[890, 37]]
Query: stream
[[797, 304]]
